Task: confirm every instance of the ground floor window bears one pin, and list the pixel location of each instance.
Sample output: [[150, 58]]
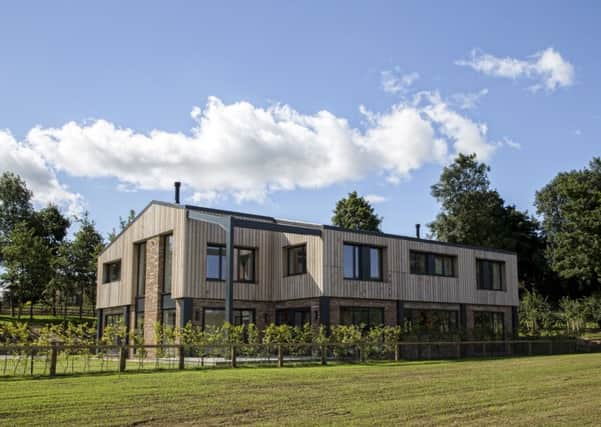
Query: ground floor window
[[140, 323], [113, 319], [169, 318], [489, 324], [293, 316], [362, 316], [215, 317], [431, 322]]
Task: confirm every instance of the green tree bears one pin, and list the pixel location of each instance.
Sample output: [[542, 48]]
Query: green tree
[[571, 209], [15, 205], [82, 254], [123, 223], [356, 213], [475, 214], [26, 257]]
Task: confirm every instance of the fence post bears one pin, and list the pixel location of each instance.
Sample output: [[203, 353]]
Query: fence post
[[233, 355], [458, 349], [397, 355], [122, 358], [529, 348], [182, 360], [323, 354], [280, 356], [53, 357]]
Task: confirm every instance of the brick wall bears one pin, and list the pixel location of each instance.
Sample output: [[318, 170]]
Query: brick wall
[[152, 298]]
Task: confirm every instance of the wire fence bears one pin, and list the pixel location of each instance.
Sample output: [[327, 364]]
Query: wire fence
[[59, 360]]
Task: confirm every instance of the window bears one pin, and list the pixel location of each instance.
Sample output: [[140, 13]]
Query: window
[[216, 263], [490, 274], [167, 263], [215, 317], [169, 317], [113, 320], [244, 267], [432, 264], [245, 271], [365, 316], [293, 316], [362, 262], [431, 321], [140, 323], [297, 260], [141, 269], [111, 271], [489, 324]]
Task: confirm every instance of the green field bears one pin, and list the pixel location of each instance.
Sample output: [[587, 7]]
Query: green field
[[516, 391]]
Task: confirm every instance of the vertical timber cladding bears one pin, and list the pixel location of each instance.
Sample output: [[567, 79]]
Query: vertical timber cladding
[[270, 282], [157, 219], [399, 284]]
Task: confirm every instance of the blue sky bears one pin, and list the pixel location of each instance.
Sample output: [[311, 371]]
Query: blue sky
[[282, 108]]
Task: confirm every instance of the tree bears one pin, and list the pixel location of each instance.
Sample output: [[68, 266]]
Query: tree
[[15, 205], [475, 214], [123, 223], [82, 255], [571, 208], [356, 213], [26, 257]]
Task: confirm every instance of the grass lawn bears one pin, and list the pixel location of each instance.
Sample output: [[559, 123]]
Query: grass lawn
[[518, 391]]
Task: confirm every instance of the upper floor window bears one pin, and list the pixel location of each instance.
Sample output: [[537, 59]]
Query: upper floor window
[[111, 271], [244, 266], [362, 262], [432, 264], [490, 274], [296, 260], [141, 269], [167, 263]]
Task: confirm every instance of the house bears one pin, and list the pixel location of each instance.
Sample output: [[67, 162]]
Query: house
[[171, 265]]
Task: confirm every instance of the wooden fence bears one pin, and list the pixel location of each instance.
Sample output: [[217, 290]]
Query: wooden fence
[[60, 359], [38, 309]]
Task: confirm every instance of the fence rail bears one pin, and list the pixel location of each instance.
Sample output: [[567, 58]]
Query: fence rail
[[60, 359], [37, 310]]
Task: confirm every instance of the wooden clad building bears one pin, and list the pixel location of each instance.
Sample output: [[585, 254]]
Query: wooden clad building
[[170, 265]]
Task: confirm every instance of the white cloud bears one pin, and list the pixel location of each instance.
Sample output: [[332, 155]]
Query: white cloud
[[375, 198], [242, 151], [22, 159], [393, 81], [508, 142], [468, 100], [578, 132], [547, 67]]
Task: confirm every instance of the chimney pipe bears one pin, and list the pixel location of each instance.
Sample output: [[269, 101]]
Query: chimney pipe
[[177, 185], [417, 226]]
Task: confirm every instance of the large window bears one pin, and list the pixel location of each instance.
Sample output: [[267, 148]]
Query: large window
[[430, 322], [141, 269], [432, 264], [111, 271], [489, 324], [293, 316], [167, 263], [362, 262], [363, 316], [490, 274], [297, 260], [215, 317], [244, 267]]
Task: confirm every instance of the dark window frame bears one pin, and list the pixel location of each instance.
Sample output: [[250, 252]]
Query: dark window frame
[[362, 263], [494, 317], [290, 314], [106, 272], [289, 252], [368, 309], [236, 265], [430, 263], [165, 243], [140, 266], [204, 309], [480, 277]]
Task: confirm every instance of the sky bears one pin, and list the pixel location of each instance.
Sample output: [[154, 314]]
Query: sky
[[282, 108]]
